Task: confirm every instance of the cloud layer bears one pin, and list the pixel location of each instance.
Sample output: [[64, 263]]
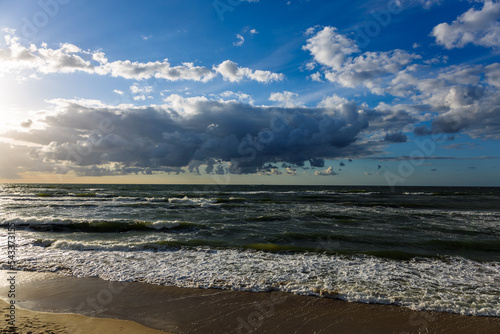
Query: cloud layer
[[69, 58], [92, 138], [457, 98]]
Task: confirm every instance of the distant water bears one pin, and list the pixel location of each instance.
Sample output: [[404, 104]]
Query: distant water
[[421, 247]]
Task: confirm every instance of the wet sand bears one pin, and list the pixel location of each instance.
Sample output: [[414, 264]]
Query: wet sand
[[183, 310], [30, 322]]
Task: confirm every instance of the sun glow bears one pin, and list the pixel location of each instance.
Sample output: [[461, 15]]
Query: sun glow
[[12, 98]]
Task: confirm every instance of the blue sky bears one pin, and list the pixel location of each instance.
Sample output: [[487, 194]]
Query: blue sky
[[398, 92]]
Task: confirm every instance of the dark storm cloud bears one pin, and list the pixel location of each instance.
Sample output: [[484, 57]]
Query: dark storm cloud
[[396, 137], [191, 132]]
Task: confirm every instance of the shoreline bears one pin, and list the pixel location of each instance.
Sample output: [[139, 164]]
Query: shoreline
[[188, 310], [28, 321]]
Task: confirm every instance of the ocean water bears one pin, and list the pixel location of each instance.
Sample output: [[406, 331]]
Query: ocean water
[[426, 248]]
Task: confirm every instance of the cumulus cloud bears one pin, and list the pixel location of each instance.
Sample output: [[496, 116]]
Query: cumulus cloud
[[88, 137], [462, 98], [479, 117], [330, 48], [333, 50], [69, 58], [66, 59], [456, 98], [326, 172], [232, 72], [159, 69], [479, 27], [286, 98], [270, 169]]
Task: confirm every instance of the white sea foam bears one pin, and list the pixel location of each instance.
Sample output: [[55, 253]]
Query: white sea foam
[[125, 199], [194, 200], [452, 284], [11, 219], [155, 199], [161, 224]]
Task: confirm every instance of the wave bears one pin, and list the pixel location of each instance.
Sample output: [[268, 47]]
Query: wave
[[325, 246], [419, 193], [98, 226], [193, 201], [157, 246], [450, 284]]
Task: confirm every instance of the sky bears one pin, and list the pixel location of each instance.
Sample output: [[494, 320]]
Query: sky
[[380, 92]]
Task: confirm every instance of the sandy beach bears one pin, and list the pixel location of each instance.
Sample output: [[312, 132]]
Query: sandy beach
[[57, 323], [181, 310]]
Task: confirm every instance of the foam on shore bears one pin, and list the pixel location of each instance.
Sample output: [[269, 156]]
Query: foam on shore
[[183, 310]]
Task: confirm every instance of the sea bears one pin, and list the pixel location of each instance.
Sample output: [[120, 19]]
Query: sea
[[425, 248]]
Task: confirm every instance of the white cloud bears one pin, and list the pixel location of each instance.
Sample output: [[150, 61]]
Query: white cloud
[[100, 57], [27, 61], [18, 58], [457, 98], [119, 92], [240, 40], [331, 49], [136, 89], [327, 172], [464, 97], [370, 69], [285, 98], [141, 92], [241, 97], [230, 71], [429, 3], [333, 101], [479, 27], [317, 77], [158, 69]]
